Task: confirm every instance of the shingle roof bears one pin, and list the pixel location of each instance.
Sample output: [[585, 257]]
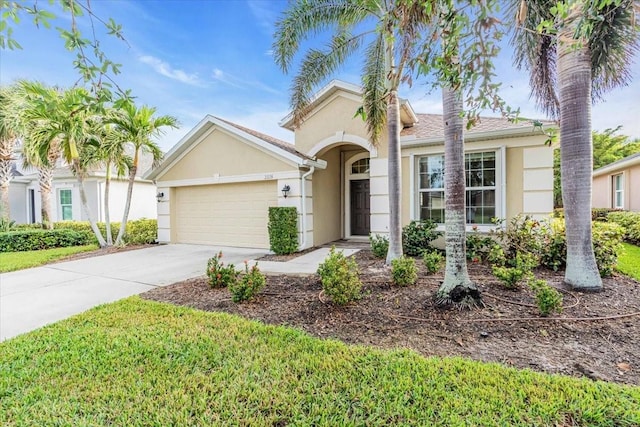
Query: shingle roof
[[431, 126], [271, 140]]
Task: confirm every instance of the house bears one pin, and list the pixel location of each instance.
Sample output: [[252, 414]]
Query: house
[[613, 184], [25, 199], [220, 179]]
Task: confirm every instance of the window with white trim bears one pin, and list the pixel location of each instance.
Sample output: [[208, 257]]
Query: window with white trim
[[481, 177], [66, 204], [618, 191]]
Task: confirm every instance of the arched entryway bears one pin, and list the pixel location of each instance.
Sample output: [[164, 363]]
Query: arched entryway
[[357, 197]]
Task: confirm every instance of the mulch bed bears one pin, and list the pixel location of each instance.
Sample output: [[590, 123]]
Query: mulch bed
[[508, 329], [103, 251]]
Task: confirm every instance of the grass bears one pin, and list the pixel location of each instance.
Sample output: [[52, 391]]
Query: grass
[[629, 261], [137, 362], [11, 261]]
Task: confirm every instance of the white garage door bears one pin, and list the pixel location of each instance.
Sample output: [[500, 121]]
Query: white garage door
[[225, 214]]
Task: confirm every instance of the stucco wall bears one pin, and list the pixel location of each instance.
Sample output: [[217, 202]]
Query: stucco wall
[[602, 188], [326, 199], [220, 153], [18, 202], [143, 200], [330, 119]]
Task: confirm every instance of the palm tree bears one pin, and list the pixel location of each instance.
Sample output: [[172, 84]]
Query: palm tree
[[584, 54], [8, 139], [393, 30], [137, 126], [62, 120]]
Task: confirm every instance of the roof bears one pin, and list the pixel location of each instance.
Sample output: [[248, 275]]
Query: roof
[[628, 161], [430, 126], [274, 146], [271, 140]]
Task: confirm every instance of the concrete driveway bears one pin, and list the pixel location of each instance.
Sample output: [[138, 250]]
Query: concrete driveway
[[38, 296]]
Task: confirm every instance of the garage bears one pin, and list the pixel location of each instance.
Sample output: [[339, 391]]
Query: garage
[[224, 214]]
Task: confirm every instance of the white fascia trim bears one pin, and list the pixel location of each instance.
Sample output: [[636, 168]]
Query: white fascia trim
[[185, 145], [318, 163], [230, 179], [618, 166], [328, 89], [412, 141], [406, 105]]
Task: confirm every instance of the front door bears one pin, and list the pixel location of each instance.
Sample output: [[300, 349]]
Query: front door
[[360, 215]]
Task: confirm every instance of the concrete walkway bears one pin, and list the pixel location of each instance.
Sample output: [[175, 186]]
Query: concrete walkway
[[32, 298]]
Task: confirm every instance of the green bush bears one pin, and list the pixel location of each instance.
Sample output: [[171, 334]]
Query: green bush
[[607, 243], [404, 271], [479, 246], [339, 275], [251, 282], [597, 214], [509, 276], [630, 222], [283, 230], [220, 276], [33, 240], [85, 227], [6, 225], [548, 299], [141, 231], [432, 261], [379, 245], [417, 236]]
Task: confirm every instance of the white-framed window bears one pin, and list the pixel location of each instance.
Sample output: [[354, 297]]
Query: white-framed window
[[66, 204], [481, 176], [618, 191], [360, 166]]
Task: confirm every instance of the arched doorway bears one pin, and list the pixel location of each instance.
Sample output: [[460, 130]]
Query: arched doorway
[[357, 197]]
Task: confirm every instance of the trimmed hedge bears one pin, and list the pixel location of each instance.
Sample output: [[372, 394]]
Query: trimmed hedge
[[630, 223], [597, 214], [33, 240], [137, 232], [283, 230]]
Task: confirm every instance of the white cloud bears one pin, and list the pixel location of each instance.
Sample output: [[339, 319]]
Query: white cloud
[[264, 15], [167, 70], [241, 83]]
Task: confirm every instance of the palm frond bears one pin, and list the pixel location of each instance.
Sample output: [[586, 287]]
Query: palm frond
[[374, 82], [306, 18]]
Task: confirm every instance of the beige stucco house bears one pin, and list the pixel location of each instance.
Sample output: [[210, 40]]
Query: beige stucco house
[[613, 185], [220, 179]]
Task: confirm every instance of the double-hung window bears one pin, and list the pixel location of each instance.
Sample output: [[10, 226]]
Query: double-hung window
[[66, 205], [618, 191], [480, 180]]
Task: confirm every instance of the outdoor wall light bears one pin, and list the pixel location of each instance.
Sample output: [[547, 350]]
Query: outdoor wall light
[[159, 196], [285, 190]]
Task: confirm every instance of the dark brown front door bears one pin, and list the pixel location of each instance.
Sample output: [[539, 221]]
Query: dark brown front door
[[360, 207]]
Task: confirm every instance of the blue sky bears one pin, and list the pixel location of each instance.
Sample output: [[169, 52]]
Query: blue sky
[[190, 58]]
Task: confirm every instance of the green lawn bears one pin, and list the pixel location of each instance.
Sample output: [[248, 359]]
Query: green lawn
[[629, 261], [138, 362], [11, 261]]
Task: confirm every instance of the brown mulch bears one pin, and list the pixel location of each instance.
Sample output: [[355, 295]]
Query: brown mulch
[[103, 251], [508, 329]]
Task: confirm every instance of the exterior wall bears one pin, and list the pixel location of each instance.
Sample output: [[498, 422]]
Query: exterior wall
[[72, 184], [602, 188], [221, 154], [327, 196], [525, 182], [18, 202], [143, 200], [334, 116]]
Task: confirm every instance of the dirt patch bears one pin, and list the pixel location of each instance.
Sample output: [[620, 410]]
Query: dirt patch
[[104, 251], [507, 330]]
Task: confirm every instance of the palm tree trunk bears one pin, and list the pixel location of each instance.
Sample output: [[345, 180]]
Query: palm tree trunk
[[45, 179], [127, 206], [85, 205], [107, 220], [395, 228], [574, 81], [457, 288], [5, 178]]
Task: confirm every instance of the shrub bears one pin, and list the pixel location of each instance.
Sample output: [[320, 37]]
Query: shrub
[[85, 227], [607, 242], [548, 299], [479, 246], [6, 225], [404, 271], [141, 231], [283, 230], [33, 240], [251, 282], [432, 261], [630, 222], [417, 235], [597, 214], [510, 276], [339, 277], [379, 245], [220, 276]]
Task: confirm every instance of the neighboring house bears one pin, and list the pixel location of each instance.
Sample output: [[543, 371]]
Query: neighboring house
[[613, 184], [25, 201], [220, 179]]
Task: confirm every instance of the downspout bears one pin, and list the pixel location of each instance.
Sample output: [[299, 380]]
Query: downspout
[[303, 193]]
